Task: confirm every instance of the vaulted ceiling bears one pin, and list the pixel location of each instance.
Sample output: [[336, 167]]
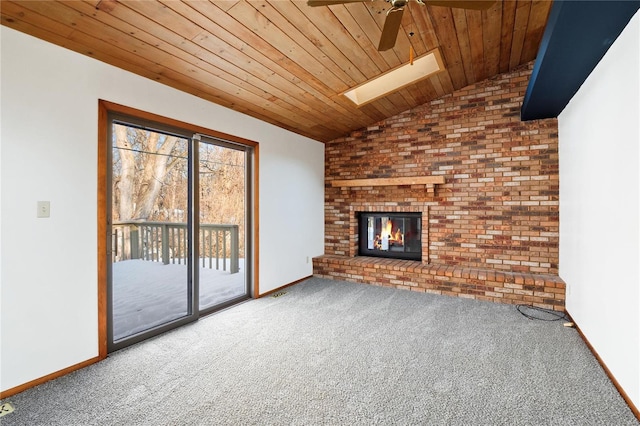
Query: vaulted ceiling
[[285, 62]]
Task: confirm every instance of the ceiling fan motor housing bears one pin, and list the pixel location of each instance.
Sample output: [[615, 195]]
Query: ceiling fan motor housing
[[399, 3]]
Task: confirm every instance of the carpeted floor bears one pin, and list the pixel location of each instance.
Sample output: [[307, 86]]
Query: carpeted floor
[[330, 352]]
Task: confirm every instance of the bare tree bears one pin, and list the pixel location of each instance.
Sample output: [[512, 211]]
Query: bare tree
[[146, 158], [151, 178]]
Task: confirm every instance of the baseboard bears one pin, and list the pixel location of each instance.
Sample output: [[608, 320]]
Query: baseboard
[[23, 387], [283, 287], [623, 394]]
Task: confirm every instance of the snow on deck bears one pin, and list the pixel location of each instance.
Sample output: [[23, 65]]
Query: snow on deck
[[147, 294]]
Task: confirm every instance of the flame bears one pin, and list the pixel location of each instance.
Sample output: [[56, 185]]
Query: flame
[[396, 236], [387, 233], [388, 229]]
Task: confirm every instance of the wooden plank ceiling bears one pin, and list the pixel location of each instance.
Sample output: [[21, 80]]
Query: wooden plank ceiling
[[285, 62]]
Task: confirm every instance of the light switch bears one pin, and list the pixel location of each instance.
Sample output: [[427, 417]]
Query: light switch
[[44, 208]]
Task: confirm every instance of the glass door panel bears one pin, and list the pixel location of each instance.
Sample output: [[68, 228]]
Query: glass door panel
[[222, 224], [150, 285]]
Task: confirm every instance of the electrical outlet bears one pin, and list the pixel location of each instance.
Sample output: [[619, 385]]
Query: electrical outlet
[[307, 259], [44, 208]]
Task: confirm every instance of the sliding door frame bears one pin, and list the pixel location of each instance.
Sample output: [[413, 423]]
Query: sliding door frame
[[249, 202], [105, 110]]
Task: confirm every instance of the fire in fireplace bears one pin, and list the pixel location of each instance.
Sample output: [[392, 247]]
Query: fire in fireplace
[[393, 235]]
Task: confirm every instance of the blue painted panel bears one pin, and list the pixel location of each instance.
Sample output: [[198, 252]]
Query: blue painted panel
[[577, 35]]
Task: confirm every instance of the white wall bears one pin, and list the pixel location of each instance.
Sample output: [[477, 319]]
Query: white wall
[[48, 151], [599, 138]]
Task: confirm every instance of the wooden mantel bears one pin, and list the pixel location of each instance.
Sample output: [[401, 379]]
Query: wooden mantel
[[428, 181]]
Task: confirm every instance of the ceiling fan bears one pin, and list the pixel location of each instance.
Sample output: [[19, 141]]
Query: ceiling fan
[[394, 15]]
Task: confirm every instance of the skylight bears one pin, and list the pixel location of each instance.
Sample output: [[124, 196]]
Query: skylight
[[396, 79]]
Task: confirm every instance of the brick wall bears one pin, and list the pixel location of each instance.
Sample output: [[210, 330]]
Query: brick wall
[[498, 209]]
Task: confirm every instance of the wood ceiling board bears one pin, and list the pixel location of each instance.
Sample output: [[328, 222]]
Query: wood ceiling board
[[224, 4], [15, 15], [442, 19], [402, 44], [164, 16], [373, 109], [413, 15], [12, 17], [262, 50], [191, 53], [306, 37], [437, 85], [421, 25], [428, 35], [282, 61], [425, 29], [491, 31], [306, 85], [194, 54], [272, 35], [352, 27], [519, 31], [285, 78], [326, 33], [535, 27], [277, 89], [220, 80], [428, 90], [370, 27], [462, 32], [416, 20], [37, 31], [475, 30], [371, 20], [43, 15], [410, 94], [506, 36], [441, 82]]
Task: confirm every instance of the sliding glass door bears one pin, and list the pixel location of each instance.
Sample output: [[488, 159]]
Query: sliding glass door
[[222, 205], [150, 230], [177, 228]]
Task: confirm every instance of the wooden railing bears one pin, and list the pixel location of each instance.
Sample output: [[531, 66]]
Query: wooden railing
[[167, 242]]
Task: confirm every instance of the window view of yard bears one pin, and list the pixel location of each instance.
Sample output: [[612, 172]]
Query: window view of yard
[[150, 228]]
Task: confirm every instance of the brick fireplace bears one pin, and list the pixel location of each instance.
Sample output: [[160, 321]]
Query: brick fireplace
[[489, 231]]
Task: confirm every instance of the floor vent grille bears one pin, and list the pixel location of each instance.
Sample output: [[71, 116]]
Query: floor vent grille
[[6, 408]]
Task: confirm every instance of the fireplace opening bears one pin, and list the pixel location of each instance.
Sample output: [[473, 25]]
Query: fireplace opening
[[392, 235]]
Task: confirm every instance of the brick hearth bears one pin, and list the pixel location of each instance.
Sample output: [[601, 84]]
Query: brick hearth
[[490, 232]]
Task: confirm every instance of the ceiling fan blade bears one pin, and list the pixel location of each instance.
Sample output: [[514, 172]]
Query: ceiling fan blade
[[390, 29], [463, 4], [314, 3]]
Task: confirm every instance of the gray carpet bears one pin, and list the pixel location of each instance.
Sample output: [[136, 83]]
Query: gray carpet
[[330, 352]]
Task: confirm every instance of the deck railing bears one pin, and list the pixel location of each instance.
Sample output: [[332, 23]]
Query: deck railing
[[166, 242]]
